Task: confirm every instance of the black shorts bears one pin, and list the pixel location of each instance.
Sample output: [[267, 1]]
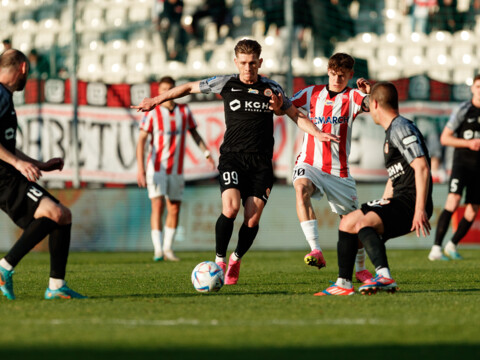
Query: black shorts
[[19, 198], [251, 174], [396, 214], [464, 178]]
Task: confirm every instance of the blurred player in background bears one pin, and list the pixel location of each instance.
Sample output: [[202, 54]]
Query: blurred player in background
[[322, 167], [245, 164], [29, 205], [406, 204], [167, 126], [463, 133]]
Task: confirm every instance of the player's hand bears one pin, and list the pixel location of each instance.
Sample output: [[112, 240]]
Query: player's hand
[[276, 102], [30, 171], [421, 223], [474, 144], [52, 164], [141, 179], [363, 85], [323, 136], [147, 104]]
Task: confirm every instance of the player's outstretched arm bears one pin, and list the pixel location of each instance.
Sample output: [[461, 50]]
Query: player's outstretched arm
[[179, 91], [276, 102], [363, 85], [140, 153], [27, 166], [448, 138], [304, 123], [201, 144], [422, 183]]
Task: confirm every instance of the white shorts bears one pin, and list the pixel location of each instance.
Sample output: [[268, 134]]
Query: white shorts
[[341, 192], [170, 186]]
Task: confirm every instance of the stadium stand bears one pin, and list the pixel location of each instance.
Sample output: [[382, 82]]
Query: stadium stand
[[118, 41]]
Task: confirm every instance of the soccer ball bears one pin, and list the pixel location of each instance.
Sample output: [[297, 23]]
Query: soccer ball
[[207, 277]]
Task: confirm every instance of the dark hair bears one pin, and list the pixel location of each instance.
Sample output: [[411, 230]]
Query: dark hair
[[168, 80], [341, 61], [247, 46], [477, 77], [12, 59], [385, 93]]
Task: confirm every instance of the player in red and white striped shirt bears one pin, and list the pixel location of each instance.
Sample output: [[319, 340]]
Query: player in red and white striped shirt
[[322, 167], [167, 126]]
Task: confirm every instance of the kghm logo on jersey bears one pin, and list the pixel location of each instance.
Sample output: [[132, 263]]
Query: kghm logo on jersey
[[252, 106], [395, 171]]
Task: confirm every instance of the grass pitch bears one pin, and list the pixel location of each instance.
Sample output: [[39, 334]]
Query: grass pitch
[[138, 309]]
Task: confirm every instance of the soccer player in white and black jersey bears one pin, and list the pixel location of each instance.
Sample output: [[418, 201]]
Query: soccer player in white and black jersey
[[406, 204], [245, 164], [29, 205], [462, 131]]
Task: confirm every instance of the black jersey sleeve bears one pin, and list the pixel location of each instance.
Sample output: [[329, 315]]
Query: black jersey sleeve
[[214, 84], [458, 116], [407, 139], [4, 101], [278, 90]]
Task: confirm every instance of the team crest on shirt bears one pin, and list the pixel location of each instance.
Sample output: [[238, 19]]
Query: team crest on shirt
[[329, 102], [268, 92], [385, 148], [252, 91]]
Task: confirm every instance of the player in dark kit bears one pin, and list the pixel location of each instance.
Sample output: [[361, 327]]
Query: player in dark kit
[[406, 204], [30, 206], [463, 133], [245, 164]]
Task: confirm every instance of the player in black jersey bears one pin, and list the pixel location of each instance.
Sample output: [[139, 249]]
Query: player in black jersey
[[462, 131], [245, 164], [406, 204], [29, 205]]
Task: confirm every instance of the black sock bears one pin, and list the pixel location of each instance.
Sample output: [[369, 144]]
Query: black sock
[[374, 246], [347, 247], [59, 245], [442, 226], [223, 233], [246, 235], [462, 230], [32, 235]]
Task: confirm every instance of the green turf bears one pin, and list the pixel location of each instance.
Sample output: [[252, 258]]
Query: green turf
[[138, 309]]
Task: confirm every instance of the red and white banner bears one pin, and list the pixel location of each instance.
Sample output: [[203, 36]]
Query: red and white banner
[[108, 136]]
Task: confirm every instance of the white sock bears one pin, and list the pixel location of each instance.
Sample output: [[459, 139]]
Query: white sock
[[235, 257], [385, 272], [157, 242], [360, 260], [451, 246], [4, 263], [55, 284], [220, 259], [310, 230], [436, 249], [168, 236], [344, 283]]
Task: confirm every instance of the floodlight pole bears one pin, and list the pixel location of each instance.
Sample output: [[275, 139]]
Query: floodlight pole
[[291, 129], [73, 94]]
